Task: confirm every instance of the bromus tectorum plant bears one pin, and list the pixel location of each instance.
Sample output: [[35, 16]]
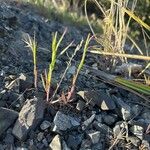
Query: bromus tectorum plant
[[71, 93], [32, 44], [48, 76]]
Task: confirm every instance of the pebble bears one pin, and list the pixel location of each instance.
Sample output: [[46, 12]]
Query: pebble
[[45, 124], [56, 143], [94, 136]]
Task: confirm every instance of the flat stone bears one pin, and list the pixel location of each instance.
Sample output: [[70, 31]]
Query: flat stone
[[30, 116], [40, 136], [123, 109], [64, 122], [99, 98], [137, 131], [134, 140], [74, 141], [45, 124], [56, 143], [87, 122], [7, 118], [109, 119], [94, 136]]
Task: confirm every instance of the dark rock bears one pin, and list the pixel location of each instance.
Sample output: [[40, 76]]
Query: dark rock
[[64, 122], [100, 98], [137, 131], [123, 109], [7, 118], [94, 136], [30, 116], [74, 141], [109, 119], [45, 124]]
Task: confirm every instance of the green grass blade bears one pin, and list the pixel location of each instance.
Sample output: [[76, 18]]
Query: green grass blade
[[144, 89]]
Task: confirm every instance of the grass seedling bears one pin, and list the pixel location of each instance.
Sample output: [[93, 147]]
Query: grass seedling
[[32, 44], [71, 93]]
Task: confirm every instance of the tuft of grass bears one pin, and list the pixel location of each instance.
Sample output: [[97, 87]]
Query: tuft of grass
[[71, 93], [32, 44]]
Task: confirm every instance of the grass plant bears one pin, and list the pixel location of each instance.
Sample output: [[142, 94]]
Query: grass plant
[[71, 93], [32, 44]]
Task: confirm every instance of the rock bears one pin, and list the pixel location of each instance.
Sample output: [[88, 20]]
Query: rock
[[146, 144], [98, 146], [109, 119], [128, 68], [71, 71], [44, 141], [87, 122], [9, 139], [74, 141], [119, 128], [104, 129], [56, 143], [123, 110], [134, 140], [40, 136], [94, 136], [21, 148], [64, 145], [64, 122], [80, 105], [99, 118], [86, 144], [99, 98], [7, 118], [137, 131], [45, 124], [30, 116]]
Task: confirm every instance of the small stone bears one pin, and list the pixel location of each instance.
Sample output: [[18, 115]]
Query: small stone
[[137, 131], [56, 143], [40, 136], [134, 140], [124, 110], [119, 128], [71, 71], [99, 98], [45, 124], [64, 122], [74, 141], [95, 136], [21, 148], [99, 118], [9, 139], [87, 122], [44, 141], [7, 118], [30, 116], [64, 145], [104, 129], [109, 119], [80, 105], [146, 144]]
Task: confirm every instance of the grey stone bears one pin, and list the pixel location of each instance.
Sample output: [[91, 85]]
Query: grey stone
[[109, 119], [64, 122], [40, 136], [134, 140], [137, 131], [99, 118], [119, 128], [74, 141], [9, 139], [124, 110], [64, 145], [7, 118], [146, 144], [56, 143], [80, 105], [45, 124], [95, 136], [30, 116], [21, 148], [87, 122], [44, 141], [104, 129], [99, 98]]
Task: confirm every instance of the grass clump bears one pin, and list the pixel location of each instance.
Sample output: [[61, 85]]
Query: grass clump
[[32, 44]]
